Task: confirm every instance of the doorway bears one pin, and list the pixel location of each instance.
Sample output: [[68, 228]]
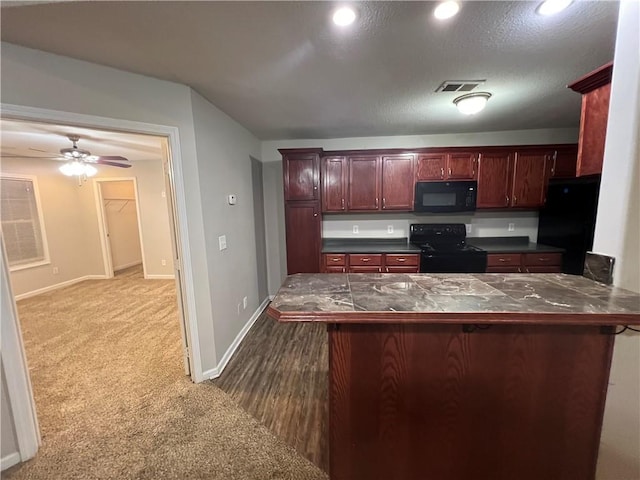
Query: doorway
[[118, 210]]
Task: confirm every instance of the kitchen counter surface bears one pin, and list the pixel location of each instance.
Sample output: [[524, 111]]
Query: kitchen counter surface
[[554, 299], [511, 245], [368, 245]]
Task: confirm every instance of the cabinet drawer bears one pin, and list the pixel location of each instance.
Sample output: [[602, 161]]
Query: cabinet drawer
[[372, 269], [541, 259], [407, 269], [365, 259], [335, 259], [401, 260], [544, 269], [503, 260], [504, 269]]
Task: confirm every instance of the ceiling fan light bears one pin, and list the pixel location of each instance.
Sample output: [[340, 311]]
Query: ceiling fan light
[[72, 168], [472, 103], [90, 170]]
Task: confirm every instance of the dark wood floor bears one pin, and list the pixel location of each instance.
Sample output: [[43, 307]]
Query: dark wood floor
[[279, 375]]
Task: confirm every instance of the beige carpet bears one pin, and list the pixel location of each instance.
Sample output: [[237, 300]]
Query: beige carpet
[[113, 401]]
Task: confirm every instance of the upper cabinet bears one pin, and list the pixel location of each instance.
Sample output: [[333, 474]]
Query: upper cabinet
[[335, 181], [364, 183], [446, 166], [301, 171], [563, 164], [494, 180], [529, 183], [596, 90], [397, 182]]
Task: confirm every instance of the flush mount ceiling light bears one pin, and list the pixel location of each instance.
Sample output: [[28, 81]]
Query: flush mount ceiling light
[[344, 16], [551, 7], [446, 10], [472, 103]]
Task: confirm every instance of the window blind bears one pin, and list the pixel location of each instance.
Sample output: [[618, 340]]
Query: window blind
[[20, 220]]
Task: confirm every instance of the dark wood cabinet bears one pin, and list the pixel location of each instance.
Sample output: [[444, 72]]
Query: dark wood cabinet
[[524, 262], [564, 161], [301, 171], [334, 184], [364, 183], [529, 178], [397, 182], [303, 227], [446, 166], [595, 88], [302, 212], [494, 180], [370, 263]]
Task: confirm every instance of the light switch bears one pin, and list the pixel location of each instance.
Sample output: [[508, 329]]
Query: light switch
[[222, 242]]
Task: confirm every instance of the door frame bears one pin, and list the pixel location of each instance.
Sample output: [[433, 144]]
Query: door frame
[[13, 359], [103, 227]]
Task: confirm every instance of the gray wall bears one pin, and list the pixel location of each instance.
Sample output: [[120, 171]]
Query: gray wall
[[488, 224], [259, 225]]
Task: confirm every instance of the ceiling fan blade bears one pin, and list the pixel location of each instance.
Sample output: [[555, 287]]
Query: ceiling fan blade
[[3, 155], [113, 157], [113, 164]]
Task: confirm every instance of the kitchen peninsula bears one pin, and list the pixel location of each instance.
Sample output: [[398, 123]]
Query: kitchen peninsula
[[452, 377]]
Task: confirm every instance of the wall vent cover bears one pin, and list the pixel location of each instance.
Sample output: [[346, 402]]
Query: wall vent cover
[[459, 85]]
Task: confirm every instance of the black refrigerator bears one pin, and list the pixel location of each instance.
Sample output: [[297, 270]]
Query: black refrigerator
[[568, 219]]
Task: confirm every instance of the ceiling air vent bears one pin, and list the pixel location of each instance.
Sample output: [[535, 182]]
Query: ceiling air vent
[[459, 85]]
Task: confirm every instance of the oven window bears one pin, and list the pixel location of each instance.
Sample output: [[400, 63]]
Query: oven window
[[440, 199]]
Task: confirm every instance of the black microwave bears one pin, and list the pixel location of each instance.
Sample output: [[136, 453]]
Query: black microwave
[[445, 197]]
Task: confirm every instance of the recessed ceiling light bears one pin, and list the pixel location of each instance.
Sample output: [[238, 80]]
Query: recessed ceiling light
[[551, 7], [472, 103], [344, 16], [446, 10]]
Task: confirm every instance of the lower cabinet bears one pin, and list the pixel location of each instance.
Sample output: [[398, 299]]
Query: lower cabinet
[[524, 263], [370, 263]]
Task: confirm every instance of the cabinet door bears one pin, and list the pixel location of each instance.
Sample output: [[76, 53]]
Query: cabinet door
[[397, 182], [493, 180], [364, 183], [431, 166], [461, 166], [529, 184], [593, 129], [303, 237], [301, 173], [564, 162], [334, 184]]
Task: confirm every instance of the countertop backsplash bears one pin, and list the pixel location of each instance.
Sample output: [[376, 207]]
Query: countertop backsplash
[[396, 225]]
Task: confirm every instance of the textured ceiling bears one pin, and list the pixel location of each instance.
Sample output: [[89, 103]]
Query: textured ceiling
[[284, 71]]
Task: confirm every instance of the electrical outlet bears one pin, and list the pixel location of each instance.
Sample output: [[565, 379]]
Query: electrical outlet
[[56, 271], [244, 303], [222, 242], [468, 226], [389, 228], [512, 227], [356, 229], [163, 262]]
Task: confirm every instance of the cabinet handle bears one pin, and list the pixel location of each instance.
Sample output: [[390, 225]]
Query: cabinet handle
[[386, 269], [519, 270], [365, 259], [335, 259], [379, 269], [515, 200], [376, 202], [502, 259], [401, 259], [542, 259], [315, 214], [449, 171], [315, 187], [384, 202], [442, 172], [507, 197], [343, 204], [553, 168]]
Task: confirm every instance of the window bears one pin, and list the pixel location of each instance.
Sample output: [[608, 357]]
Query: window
[[22, 226]]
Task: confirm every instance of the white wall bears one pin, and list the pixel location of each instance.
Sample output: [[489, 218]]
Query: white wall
[[483, 224], [8, 440], [224, 150], [618, 234], [71, 222]]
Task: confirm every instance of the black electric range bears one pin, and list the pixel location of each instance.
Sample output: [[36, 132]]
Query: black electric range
[[444, 249]]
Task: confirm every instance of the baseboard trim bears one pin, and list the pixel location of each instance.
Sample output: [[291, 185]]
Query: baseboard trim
[[9, 461], [131, 264], [56, 286], [216, 372], [160, 277]]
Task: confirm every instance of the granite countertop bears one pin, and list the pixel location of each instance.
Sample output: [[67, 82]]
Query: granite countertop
[[486, 298], [511, 245], [368, 245]]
